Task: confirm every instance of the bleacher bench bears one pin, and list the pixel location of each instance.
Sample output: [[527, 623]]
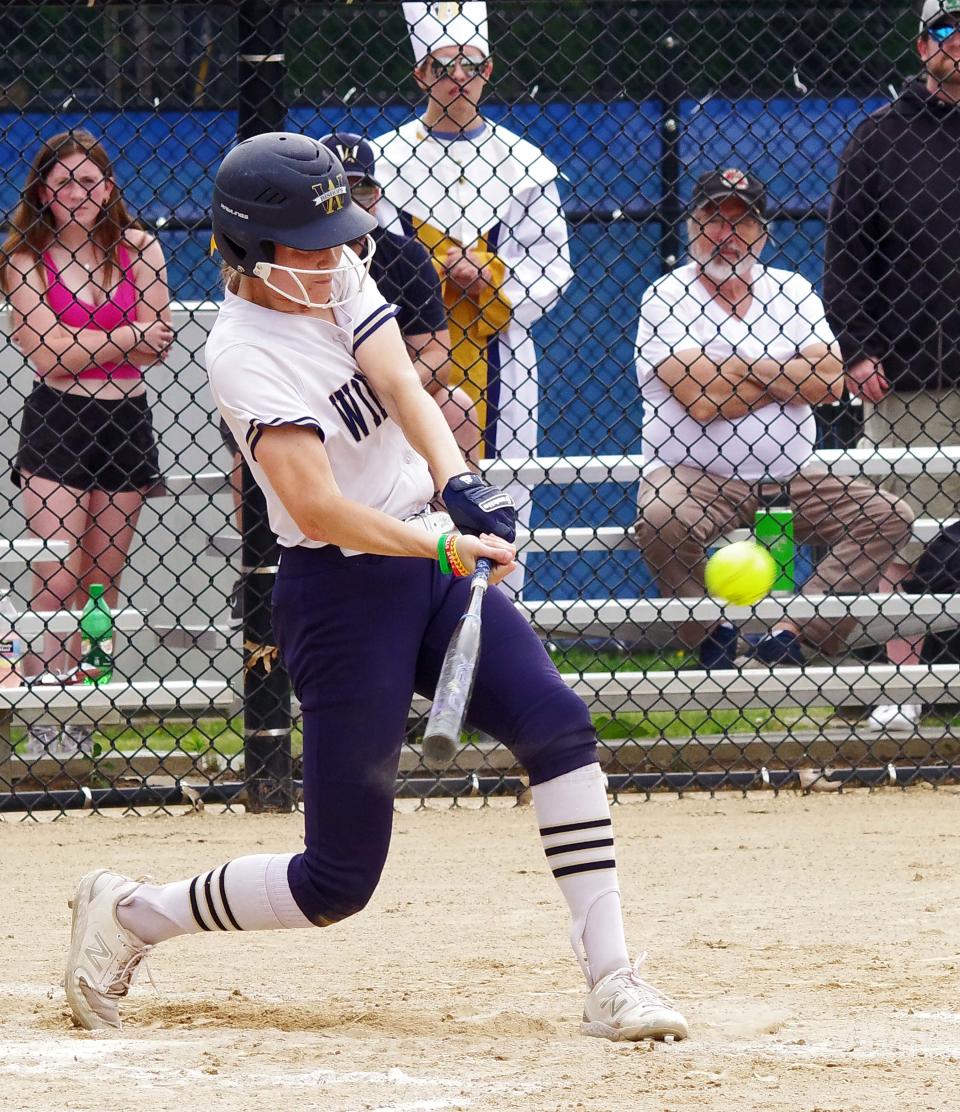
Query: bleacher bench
[[29, 550], [112, 703], [844, 684]]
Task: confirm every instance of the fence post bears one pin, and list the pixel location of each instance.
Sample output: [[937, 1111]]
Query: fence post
[[267, 715], [670, 89]]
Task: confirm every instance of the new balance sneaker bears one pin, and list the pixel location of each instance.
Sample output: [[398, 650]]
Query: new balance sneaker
[[623, 1007], [888, 718], [74, 741], [104, 956]]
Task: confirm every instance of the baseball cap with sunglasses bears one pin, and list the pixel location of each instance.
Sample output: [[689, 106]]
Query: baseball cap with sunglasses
[[939, 18]]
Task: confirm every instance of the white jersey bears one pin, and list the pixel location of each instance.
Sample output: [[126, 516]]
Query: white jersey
[[268, 368], [490, 190], [678, 314]]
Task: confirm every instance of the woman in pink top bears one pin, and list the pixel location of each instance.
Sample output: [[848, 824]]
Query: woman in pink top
[[88, 291]]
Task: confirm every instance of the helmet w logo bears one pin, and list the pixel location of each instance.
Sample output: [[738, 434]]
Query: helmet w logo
[[331, 195]]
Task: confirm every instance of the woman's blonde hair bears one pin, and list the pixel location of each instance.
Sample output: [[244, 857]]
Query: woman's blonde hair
[[31, 227], [229, 277]]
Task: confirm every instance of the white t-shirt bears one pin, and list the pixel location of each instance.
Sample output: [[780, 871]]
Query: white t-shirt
[[677, 313], [271, 368]]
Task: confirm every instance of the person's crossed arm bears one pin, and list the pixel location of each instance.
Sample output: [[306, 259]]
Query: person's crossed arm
[[669, 350], [814, 375], [708, 389], [711, 387]]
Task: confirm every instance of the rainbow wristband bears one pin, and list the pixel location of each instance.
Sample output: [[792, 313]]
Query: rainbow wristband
[[442, 553], [457, 566]]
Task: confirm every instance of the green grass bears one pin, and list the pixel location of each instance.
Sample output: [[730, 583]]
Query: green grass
[[707, 723], [579, 658]]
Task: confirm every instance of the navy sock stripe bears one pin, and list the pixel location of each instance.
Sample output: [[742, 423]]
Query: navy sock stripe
[[194, 906], [573, 846], [213, 911], [223, 898], [566, 870], [570, 826]]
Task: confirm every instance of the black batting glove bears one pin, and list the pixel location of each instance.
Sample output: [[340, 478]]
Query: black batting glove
[[477, 507]]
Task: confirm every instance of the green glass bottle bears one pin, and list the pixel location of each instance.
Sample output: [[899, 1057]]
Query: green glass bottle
[[96, 625], [773, 527]]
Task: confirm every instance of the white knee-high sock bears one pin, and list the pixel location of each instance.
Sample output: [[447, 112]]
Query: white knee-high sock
[[246, 894], [577, 834]]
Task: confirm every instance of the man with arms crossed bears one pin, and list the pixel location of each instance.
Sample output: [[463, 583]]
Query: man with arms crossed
[[731, 357]]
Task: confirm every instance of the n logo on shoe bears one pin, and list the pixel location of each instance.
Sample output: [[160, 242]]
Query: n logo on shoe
[[98, 954], [616, 1003]]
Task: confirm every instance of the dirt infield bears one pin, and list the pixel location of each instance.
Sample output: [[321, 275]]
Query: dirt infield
[[813, 942]]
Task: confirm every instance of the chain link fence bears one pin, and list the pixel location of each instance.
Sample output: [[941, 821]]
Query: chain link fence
[[691, 278]]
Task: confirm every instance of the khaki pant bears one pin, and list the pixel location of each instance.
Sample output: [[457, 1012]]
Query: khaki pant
[[682, 512], [917, 419]]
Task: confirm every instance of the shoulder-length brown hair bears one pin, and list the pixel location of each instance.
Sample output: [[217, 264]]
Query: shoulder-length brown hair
[[31, 226]]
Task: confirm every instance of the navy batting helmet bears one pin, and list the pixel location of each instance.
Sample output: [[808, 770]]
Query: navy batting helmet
[[280, 187]]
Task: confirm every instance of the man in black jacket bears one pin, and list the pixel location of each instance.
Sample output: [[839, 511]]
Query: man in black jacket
[[892, 281]]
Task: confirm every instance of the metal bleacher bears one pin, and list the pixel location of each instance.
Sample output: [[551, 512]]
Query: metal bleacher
[[652, 620], [843, 683]]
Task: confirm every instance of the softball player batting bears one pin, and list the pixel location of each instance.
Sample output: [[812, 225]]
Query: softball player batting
[[309, 370]]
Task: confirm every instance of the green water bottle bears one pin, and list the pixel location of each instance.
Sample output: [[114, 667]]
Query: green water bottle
[[96, 625], [773, 527]]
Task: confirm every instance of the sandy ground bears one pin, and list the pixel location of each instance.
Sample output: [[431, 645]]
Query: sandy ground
[[813, 942]]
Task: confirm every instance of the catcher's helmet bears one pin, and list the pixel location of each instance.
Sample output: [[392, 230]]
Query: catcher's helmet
[[281, 187]]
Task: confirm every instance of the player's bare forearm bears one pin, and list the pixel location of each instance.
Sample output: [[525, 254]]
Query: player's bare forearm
[[338, 520], [296, 465]]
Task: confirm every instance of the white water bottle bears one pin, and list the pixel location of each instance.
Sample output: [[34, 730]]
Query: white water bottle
[[11, 643]]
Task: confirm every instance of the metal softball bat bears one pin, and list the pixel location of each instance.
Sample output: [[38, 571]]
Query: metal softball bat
[[455, 685]]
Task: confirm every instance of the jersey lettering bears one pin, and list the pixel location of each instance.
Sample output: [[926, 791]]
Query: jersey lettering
[[350, 404], [369, 397]]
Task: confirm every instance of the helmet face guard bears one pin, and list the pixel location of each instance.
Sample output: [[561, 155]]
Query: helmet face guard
[[284, 188], [264, 272]]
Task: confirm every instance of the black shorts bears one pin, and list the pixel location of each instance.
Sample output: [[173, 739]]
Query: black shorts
[[87, 443]]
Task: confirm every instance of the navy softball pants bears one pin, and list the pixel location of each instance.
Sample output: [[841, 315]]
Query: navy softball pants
[[358, 636]]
